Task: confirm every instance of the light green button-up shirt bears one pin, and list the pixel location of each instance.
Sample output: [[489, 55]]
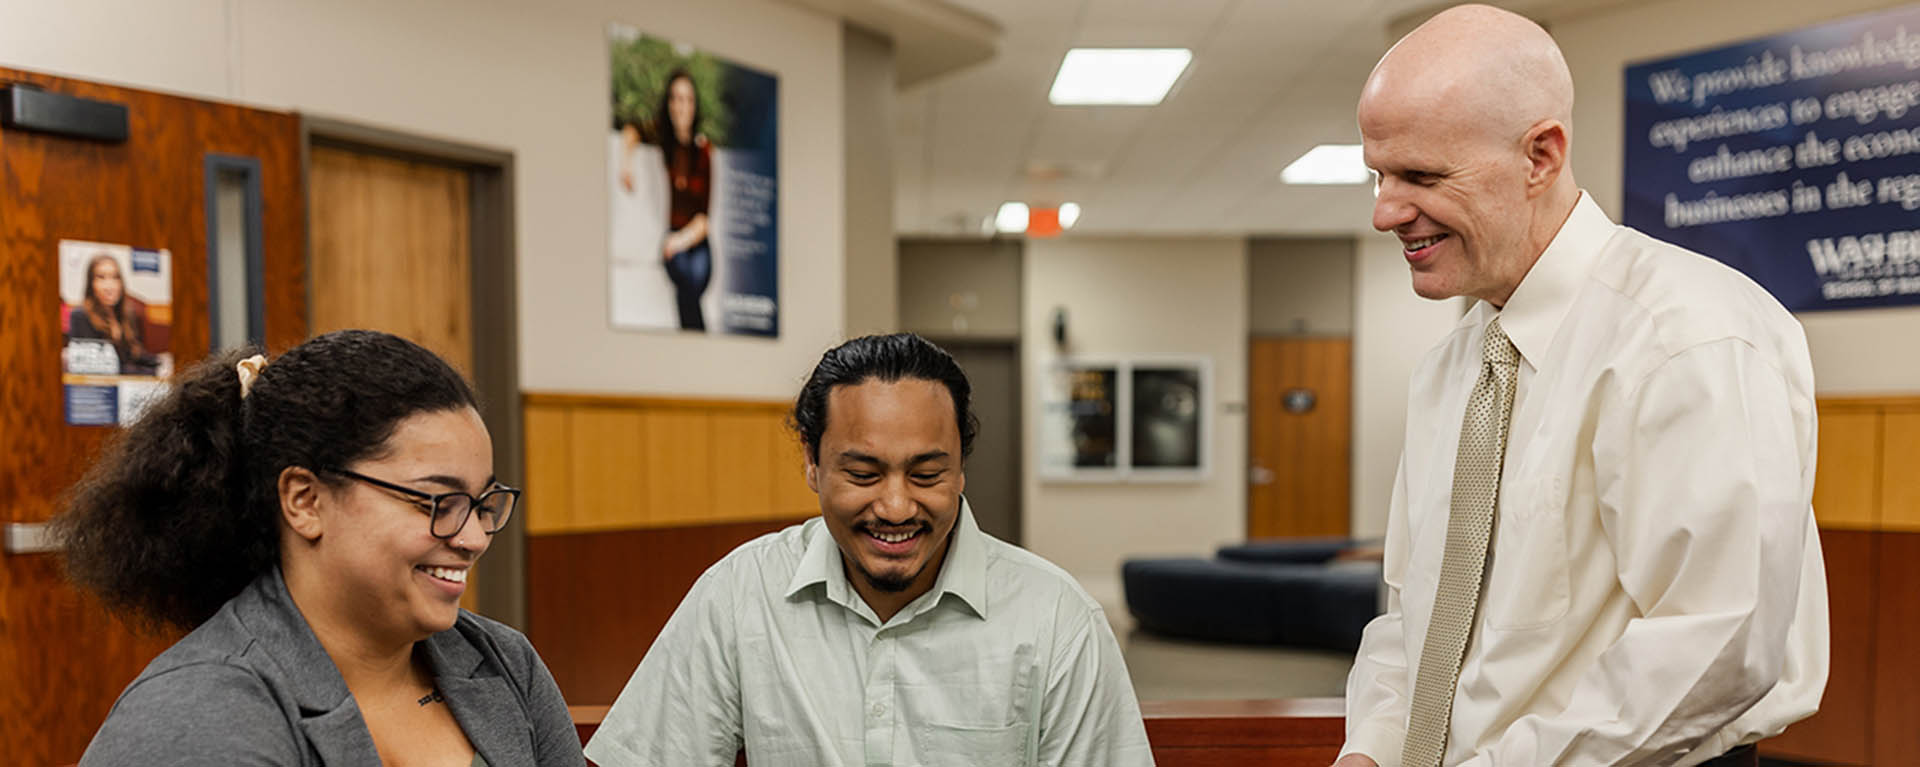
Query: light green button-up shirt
[[1006, 661]]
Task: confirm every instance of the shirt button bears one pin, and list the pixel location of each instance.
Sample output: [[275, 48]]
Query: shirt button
[[879, 710]]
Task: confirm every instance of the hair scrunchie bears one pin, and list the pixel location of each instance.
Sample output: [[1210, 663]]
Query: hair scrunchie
[[249, 371]]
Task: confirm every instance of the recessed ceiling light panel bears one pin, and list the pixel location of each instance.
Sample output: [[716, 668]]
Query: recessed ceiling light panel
[[1329, 164], [1118, 76]]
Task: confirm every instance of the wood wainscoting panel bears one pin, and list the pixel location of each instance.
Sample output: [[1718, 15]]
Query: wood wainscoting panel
[[549, 482], [651, 492], [790, 489], [610, 470], [1846, 485], [1896, 689], [675, 450], [606, 462], [597, 600], [1900, 471], [1842, 731], [740, 458]]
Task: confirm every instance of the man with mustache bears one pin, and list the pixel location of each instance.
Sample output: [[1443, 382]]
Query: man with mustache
[[890, 629], [1601, 548]]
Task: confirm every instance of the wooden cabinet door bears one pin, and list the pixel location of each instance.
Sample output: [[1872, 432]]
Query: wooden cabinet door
[[63, 661]]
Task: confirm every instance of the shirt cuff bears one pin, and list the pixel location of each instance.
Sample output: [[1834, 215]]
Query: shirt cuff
[[1379, 742]]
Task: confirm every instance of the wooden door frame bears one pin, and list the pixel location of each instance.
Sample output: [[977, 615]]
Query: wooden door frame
[[496, 332]]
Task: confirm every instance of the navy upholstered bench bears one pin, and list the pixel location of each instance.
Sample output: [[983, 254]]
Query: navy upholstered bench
[[1279, 592]]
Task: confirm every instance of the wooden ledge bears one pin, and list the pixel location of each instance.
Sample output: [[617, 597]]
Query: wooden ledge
[[1282, 722], [1188, 723]]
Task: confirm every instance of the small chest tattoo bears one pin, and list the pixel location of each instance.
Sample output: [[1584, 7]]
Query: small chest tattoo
[[432, 697]]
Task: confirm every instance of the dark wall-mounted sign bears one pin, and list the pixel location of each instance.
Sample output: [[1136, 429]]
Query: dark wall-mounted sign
[[29, 108], [1793, 158], [1298, 400]]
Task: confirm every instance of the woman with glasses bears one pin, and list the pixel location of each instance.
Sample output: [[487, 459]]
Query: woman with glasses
[[313, 520]]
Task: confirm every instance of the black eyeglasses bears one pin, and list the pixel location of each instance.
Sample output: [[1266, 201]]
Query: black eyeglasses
[[449, 511]]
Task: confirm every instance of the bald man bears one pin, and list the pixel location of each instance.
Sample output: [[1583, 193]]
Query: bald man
[[1601, 547]]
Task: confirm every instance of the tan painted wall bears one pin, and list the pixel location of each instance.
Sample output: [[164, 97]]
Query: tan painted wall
[[529, 78], [1139, 296], [961, 287], [1300, 286]]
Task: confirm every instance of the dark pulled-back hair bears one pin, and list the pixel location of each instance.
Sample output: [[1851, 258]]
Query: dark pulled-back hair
[[881, 358], [181, 511]]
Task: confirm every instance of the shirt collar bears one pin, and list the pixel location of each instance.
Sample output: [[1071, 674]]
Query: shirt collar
[[963, 573], [1533, 313]]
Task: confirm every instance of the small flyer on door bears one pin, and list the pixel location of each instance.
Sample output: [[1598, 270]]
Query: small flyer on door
[[116, 325]]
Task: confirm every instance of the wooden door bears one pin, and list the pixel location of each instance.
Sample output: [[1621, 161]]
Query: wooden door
[[391, 249], [392, 252], [62, 659], [1300, 438]]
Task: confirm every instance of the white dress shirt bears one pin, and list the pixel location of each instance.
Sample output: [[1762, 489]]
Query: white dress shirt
[[1006, 661], [1654, 592]]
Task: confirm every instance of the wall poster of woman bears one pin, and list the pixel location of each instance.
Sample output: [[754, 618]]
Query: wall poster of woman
[[691, 178], [116, 324]]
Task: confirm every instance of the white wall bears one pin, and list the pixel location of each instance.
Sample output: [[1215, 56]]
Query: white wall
[[873, 256], [1139, 296], [1850, 352], [529, 78], [1392, 330]]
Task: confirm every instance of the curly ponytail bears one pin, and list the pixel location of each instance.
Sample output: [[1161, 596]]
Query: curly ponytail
[[181, 512], [160, 527]]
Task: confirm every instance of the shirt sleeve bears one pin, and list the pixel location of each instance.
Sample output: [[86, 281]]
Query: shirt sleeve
[[681, 708], [1377, 691], [1703, 501], [1090, 716], [206, 713]]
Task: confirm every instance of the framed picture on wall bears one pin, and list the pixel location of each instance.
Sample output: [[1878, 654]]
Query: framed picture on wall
[[1169, 430], [1080, 417], [1125, 419], [692, 179]]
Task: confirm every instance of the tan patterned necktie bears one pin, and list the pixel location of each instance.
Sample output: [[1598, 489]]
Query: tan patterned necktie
[[1476, 486]]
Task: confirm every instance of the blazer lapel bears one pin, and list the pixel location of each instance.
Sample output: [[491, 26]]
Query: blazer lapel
[[483, 701], [340, 737], [487, 710], [330, 718]]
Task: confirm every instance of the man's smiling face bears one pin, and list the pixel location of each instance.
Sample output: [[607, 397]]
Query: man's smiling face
[[889, 478]]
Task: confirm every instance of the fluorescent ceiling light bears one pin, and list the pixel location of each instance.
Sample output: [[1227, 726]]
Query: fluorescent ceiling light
[[1069, 213], [1329, 164], [1012, 217], [1132, 76]]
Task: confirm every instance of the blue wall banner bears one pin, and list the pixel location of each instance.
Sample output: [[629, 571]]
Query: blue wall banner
[[693, 184], [1793, 158]]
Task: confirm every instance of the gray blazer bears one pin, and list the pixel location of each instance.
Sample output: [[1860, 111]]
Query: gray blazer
[[252, 686]]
